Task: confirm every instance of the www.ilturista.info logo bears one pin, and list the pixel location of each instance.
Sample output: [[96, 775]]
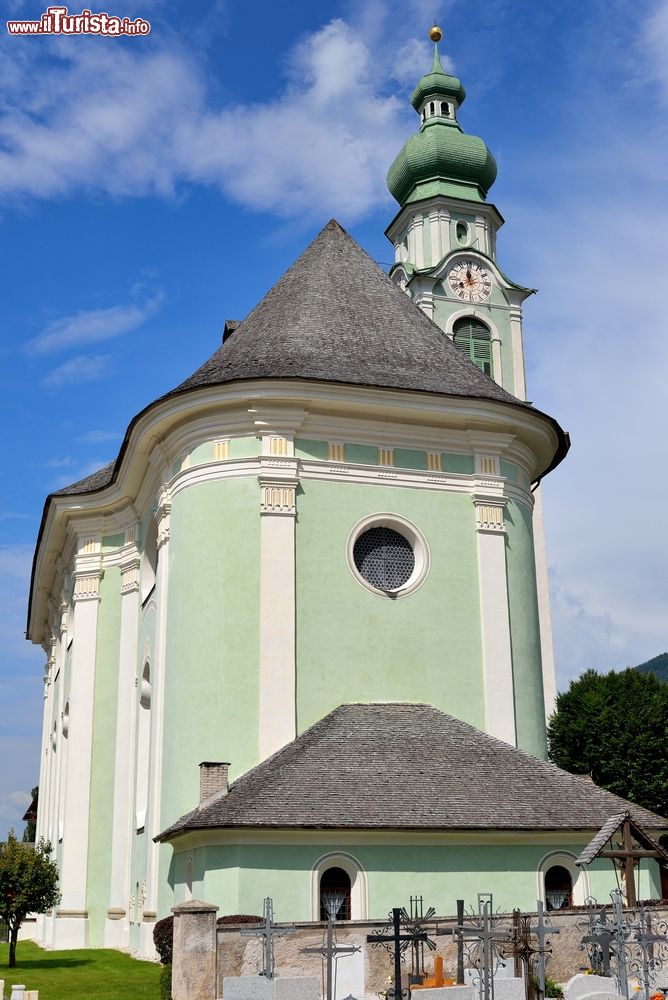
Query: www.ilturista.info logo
[[58, 21]]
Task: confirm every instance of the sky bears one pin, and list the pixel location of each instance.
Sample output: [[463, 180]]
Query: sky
[[153, 187]]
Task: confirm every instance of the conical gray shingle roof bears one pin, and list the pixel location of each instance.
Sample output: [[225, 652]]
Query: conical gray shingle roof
[[401, 766], [335, 316]]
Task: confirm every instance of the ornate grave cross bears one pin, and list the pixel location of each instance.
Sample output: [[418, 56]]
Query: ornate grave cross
[[529, 947], [328, 950], [414, 923], [650, 947], [542, 950], [400, 942], [267, 932], [621, 934], [599, 939], [484, 940]]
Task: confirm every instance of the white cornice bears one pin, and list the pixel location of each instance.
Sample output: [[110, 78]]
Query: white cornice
[[160, 431]]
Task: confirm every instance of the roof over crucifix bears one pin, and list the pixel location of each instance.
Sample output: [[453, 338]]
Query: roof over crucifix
[[614, 825]]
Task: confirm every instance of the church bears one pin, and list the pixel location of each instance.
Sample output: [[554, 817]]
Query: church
[[298, 632]]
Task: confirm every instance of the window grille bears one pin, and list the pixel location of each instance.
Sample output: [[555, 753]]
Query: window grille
[[473, 338], [335, 894], [384, 558]]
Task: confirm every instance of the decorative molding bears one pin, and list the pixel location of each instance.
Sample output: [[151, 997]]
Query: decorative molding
[[387, 475], [221, 450], [130, 576], [162, 515], [489, 514], [336, 452], [278, 498], [278, 445], [386, 456], [434, 461], [87, 588]]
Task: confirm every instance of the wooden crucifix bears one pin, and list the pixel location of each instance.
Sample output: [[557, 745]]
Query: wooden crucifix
[[329, 950], [400, 941], [627, 854]]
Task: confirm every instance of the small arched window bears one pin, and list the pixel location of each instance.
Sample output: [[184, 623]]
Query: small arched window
[[474, 338], [558, 888], [445, 109], [335, 894], [432, 108], [424, 114]]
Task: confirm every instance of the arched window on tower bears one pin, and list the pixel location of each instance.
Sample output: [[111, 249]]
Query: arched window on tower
[[432, 108], [474, 338], [558, 888], [445, 109], [335, 894]]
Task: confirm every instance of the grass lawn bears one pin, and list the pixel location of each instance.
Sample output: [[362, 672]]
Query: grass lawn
[[80, 975]]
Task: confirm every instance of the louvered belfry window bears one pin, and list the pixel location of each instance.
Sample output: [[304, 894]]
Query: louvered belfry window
[[473, 338], [384, 558]]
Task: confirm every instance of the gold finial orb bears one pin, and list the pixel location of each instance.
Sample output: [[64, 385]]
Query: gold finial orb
[[435, 33]]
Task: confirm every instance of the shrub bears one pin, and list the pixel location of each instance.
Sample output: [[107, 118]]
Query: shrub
[[238, 918], [163, 939], [166, 982]]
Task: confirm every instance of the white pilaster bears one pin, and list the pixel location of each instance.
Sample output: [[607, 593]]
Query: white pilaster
[[481, 234], [153, 824], [518, 353], [278, 718], [544, 615], [497, 367], [418, 236], [495, 618], [72, 918], [435, 237], [116, 933]]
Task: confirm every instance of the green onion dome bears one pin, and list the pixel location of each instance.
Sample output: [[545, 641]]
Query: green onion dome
[[441, 158]]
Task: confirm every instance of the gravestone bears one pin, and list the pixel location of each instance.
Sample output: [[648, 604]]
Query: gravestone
[[262, 988], [581, 986], [31, 995], [18, 993], [445, 993]]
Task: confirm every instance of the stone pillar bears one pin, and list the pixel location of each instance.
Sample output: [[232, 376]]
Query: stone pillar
[[518, 353], [117, 922], [72, 916], [194, 963], [495, 618]]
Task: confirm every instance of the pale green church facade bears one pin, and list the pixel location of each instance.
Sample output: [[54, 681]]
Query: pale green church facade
[[204, 599]]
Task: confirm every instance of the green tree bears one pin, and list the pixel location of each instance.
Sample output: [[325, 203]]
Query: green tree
[[28, 884], [614, 727]]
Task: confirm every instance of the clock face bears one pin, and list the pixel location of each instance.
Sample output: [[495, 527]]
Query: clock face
[[470, 281]]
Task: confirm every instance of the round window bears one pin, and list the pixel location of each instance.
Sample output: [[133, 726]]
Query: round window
[[384, 558], [388, 555]]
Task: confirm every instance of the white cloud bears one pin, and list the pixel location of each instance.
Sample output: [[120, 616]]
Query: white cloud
[[92, 326], [654, 45], [131, 123], [99, 437], [82, 368]]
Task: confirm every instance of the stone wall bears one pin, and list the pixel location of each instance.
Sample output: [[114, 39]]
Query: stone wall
[[239, 955]]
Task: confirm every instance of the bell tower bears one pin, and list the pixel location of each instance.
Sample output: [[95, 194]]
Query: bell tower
[[445, 251]]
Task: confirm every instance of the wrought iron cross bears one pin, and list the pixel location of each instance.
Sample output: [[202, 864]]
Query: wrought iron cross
[[485, 940], [267, 932], [400, 942], [329, 950], [600, 939]]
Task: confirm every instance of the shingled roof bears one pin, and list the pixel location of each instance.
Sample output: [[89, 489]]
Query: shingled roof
[[608, 831], [335, 316], [401, 766]]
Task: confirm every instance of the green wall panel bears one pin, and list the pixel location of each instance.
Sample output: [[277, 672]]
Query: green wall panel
[[361, 454], [407, 458], [524, 630], [463, 465], [353, 645], [311, 449], [212, 639], [244, 447]]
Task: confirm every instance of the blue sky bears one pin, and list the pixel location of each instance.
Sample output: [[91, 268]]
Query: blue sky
[[150, 188]]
